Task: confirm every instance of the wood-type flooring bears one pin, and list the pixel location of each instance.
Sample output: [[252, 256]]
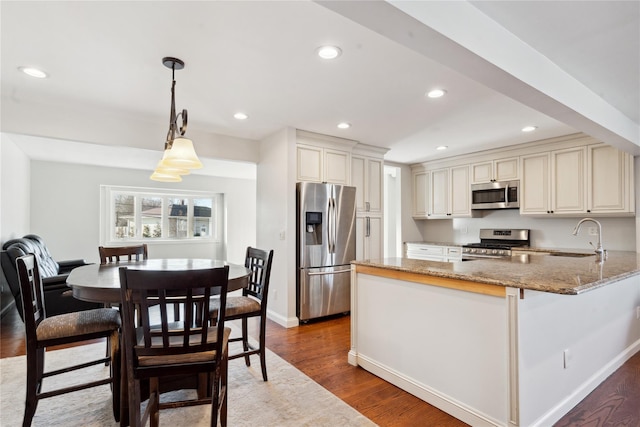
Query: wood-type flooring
[[319, 349]]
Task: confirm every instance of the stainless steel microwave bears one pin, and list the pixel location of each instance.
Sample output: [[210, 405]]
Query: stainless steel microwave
[[496, 195]]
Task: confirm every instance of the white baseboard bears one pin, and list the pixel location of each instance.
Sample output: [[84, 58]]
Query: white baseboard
[[560, 410], [287, 322], [429, 395]]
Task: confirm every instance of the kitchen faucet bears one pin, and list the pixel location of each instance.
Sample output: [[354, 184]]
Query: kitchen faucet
[[600, 253]]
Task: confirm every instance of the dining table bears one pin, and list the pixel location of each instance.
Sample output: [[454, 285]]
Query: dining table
[[101, 283]]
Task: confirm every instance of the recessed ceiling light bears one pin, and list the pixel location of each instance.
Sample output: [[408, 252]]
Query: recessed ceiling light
[[329, 52], [442, 147], [344, 125], [436, 93], [240, 116], [529, 128], [33, 72]]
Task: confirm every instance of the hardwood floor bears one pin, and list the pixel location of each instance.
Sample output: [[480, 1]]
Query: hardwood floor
[[319, 349]]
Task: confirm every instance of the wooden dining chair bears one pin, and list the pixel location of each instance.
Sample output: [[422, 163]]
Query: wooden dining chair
[[122, 253], [252, 303], [157, 348], [42, 332]]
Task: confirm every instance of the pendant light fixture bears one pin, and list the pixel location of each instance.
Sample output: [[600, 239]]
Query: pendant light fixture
[[179, 155]]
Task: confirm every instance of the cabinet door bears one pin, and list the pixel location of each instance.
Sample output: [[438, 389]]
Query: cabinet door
[[608, 190], [366, 176], [336, 166], [358, 180], [460, 195], [369, 237], [309, 163], [440, 193], [374, 185], [534, 186], [374, 249], [482, 172], [506, 169], [421, 194], [568, 181]]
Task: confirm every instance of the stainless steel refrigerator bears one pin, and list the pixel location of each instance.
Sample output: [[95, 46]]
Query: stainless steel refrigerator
[[326, 244]]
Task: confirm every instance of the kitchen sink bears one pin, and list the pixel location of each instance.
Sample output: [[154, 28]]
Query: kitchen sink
[[569, 254]]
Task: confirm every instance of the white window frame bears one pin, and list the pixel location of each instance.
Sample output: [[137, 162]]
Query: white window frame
[[107, 215]]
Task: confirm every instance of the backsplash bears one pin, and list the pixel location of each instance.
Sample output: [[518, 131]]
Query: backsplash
[[617, 233]]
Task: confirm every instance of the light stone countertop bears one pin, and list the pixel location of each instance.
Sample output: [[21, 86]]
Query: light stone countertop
[[557, 274]]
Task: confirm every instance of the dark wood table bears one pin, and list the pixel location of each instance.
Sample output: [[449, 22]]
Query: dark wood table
[[101, 283]]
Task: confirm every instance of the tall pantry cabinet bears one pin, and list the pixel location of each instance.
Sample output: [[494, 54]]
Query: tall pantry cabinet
[[322, 158]]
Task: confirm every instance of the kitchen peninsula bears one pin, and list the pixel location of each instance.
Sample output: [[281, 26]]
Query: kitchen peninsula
[[497, 342]]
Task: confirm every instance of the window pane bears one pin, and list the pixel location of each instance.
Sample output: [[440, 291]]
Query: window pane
[[202, 218], [178, 220], [125, 225], [151, 215]]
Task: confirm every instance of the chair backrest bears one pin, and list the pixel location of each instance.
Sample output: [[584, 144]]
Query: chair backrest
[[116, 254], [32, 295], [143, 290], [259, 262]]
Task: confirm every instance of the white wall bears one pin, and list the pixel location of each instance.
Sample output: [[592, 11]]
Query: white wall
[[14, 190], [276, 228], [65, 209]]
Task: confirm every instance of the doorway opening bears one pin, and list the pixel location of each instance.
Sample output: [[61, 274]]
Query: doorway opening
[[392, 212]]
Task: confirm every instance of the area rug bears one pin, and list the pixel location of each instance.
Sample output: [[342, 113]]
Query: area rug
[[289, 398]]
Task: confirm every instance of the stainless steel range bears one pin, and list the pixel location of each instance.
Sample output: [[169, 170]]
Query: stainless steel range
[[496, 243]]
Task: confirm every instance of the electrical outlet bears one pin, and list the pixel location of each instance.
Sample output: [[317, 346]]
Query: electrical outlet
[[638, 312], [566, 357], [275, 294], [593, 231]]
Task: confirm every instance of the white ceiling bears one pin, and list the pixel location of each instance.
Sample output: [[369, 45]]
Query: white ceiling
[[564, 66]]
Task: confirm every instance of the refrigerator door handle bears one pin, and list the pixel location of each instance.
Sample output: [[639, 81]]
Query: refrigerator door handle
[[331, 229], [327, 273]]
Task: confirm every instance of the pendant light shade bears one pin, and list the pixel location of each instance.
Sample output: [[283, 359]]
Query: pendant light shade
[[165, 176], [182, 155], [179, 155]]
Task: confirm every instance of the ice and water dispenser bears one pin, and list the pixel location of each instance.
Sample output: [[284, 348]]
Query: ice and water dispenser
[[313, 227]]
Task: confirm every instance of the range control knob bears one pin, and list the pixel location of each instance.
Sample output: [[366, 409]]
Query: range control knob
[[495, 251], [483, 251]]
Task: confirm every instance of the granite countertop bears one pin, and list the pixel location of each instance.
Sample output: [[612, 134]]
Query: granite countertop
[[568, 275]]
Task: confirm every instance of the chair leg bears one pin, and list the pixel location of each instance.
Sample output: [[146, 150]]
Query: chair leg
[[154, 402], [224, 378], [34, 378], [261, 342], [245, 340], [215, 396], [115, 368]]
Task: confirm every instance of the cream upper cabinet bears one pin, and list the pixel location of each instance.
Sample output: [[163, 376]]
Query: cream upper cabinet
[[569, 181], [421, 184], [610, 181], [554, 183], [450, 193], [496, 170], [535, 196], [319, 164], [367, 176]]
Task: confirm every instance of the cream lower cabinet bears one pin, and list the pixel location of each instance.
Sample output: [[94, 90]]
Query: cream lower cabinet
[[450, 193], [369, 237]]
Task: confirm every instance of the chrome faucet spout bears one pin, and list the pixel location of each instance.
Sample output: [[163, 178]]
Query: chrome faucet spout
[[599, 251]]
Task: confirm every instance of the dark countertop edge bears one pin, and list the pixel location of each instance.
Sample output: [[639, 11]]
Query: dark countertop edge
[[570, 290]]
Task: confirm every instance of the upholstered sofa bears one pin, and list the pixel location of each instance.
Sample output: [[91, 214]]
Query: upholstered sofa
[[57, 295]]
